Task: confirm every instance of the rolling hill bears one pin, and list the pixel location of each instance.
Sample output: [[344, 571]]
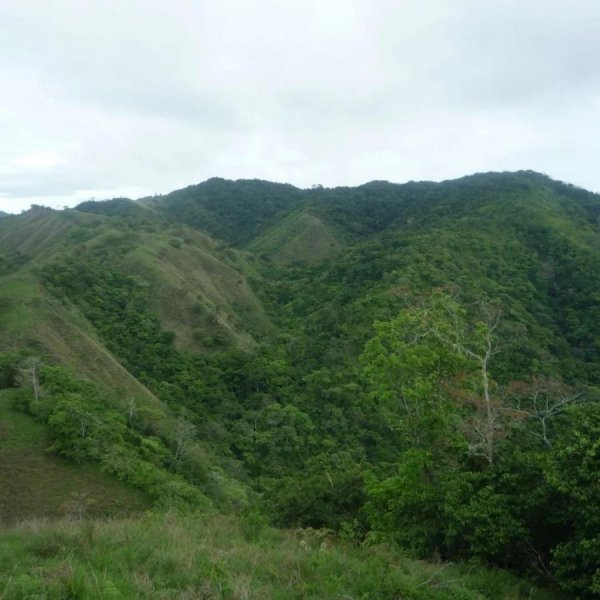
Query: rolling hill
[[317, 356]]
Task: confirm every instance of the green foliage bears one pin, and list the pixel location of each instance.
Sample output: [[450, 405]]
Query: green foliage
[[234, 211], [407, 506], [409, 371], [35, 483], [574, 472], [117, 304], [117, 207], [518, 509], [195, 556], [9, 372], [327, 492], [86, 425], [398, 397]]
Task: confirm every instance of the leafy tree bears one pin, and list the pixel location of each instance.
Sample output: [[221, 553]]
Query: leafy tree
[[573, 470]]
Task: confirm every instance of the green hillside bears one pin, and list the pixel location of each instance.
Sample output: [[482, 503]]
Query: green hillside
[[416, 365], [232, 211], [300, 238], [35, 483], [199, 289], [37, 320]]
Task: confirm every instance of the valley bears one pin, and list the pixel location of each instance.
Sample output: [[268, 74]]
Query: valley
[[408, 374]]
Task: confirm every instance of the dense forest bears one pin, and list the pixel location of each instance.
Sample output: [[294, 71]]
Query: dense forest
[[413, 367]]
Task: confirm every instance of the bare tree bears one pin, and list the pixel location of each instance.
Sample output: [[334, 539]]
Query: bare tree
[[184, 436], [541, 400], [132, 409], [78, 506], [479, 346], [29, 370]]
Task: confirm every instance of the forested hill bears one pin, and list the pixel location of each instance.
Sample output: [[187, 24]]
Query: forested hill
[[417, 364], [239, 211], [234, 211]]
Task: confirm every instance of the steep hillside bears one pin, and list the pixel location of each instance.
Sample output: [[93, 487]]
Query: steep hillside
[[417, 363], [531, 247], [300, 238], [28, 236], [35, 483], [31, 319], [200, 290], [199, 293], [232, 211]]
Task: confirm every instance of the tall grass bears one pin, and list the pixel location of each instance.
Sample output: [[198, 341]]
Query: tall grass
[[170, 555]]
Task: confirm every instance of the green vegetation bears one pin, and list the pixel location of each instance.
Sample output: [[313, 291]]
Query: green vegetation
[[300, 238], [174, 556], [234, 211], [35, 483], [414, 365]]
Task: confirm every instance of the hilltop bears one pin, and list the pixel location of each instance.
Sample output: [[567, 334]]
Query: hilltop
[[416, 363]]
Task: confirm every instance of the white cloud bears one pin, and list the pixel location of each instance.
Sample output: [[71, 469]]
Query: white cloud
[[150, 95]]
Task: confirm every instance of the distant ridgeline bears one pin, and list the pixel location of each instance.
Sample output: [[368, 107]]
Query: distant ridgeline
[[415, 363]]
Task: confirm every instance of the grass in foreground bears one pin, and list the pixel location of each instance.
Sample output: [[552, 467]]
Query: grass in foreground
[[208, 556]]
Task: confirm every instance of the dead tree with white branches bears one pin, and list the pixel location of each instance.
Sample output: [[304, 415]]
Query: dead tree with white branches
[[541, 400], [29, 371]]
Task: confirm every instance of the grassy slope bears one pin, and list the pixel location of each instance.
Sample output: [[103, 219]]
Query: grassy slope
[[300, 238], [31, 318], [33, 483], [200, 291], [184, 557], [190, 278], [36, 232]]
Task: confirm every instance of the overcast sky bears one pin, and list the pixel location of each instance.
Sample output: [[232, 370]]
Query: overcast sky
[[103, 98]]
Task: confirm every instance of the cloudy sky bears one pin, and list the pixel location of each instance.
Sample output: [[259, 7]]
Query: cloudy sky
[[102, 98]]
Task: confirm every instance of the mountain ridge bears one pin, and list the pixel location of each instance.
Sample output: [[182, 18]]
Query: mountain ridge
[[242, 341]]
